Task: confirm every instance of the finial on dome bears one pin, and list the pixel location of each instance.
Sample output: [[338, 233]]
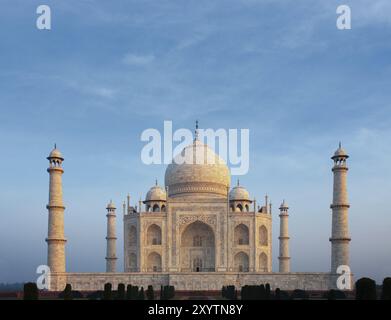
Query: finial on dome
[[111, 205], [55, 153], [340, 153], [238, 183], [155, 182], [284, 205]]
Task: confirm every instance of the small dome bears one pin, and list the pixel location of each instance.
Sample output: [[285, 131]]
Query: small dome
[[55, 153], [340, 152], [239, 193], [156, 193], [110, 205]]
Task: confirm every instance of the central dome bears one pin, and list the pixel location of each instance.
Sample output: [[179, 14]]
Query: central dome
[[197, 169]]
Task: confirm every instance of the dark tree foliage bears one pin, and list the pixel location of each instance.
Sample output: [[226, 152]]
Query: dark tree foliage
[[120, 292], [67, 293], [96, 295], [299, 294], [128, 292], [134, 293], [386, 289], [150, 293], [141, 295], [277, 294], [30, 291], [107, 294], [229, 292], [167, 292], [77, 295], [256, 292], [335, 295], [223, 291], [267, 291], [284, 295], [171, 292], [365, 289], [262, 293]]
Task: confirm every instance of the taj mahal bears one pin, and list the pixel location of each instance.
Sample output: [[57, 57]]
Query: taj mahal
[[197, 232]]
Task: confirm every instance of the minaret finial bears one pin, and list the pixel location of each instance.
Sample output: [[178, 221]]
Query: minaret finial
[[155, 182], [340, 145], [55, 145], [238, 183], [196, 131]]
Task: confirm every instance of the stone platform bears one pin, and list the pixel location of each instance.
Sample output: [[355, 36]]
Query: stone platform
[[200, 281]]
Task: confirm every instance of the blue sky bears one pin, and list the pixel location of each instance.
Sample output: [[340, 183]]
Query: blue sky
[[108, 70]]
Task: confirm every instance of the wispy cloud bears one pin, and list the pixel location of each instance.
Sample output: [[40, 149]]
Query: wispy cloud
[[191, 41], [138, 60]]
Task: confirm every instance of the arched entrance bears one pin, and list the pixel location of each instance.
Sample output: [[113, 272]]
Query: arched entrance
[[197, 248]]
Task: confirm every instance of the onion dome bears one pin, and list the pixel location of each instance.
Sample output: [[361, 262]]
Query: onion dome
[[340, 153], [156, 193], [284, 205], [55, 153], [239, 193], [110, 205], [197, 169]]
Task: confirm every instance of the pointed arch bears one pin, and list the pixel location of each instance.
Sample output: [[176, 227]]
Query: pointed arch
[[132, 236], [263, 237], [241, 235], [197, 248], [132, 262], [154, 235], [154, 262], [263, 265], [241, 262]]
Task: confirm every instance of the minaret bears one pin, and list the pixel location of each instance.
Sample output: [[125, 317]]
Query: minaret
[[284, 258], [340, 231], [56, 239], [111, 259]]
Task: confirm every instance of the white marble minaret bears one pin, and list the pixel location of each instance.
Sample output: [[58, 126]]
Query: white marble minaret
[[284, 258], [340, 227], [56, 239], [111, 258]]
